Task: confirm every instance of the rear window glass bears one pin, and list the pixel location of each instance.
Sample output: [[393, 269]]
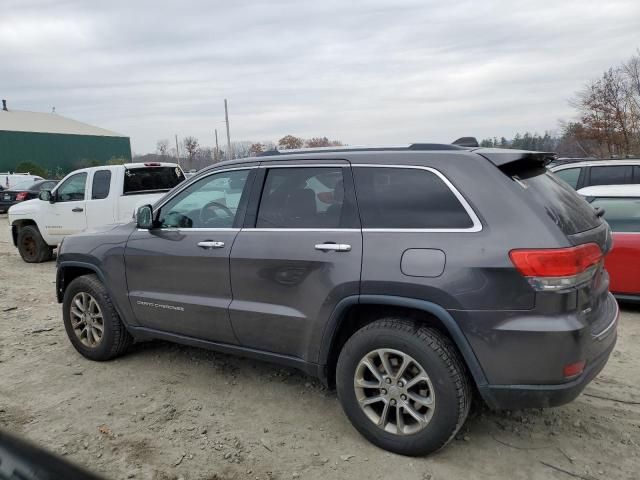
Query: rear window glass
[[622, 214], [610, 175], [566, 208], [151, 179], [407, 198]]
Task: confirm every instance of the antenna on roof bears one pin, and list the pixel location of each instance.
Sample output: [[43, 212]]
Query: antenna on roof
[[467, 142], [4, 105]]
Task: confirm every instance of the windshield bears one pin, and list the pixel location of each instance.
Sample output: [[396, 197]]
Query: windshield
[[151, 179]]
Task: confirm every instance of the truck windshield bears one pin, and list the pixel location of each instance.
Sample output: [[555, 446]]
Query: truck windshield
[[151, 179]]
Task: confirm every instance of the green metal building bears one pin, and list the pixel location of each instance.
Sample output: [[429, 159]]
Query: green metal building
[[56, 143]]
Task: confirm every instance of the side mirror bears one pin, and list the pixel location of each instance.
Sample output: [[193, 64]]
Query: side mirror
[[46, 196], [144, 217]]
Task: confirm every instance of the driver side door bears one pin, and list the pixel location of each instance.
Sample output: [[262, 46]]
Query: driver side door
[[178, 273]]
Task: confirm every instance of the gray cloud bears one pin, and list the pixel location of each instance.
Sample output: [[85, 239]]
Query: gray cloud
[[363, 72]]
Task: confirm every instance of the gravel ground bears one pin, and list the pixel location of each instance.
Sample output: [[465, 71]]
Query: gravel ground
[[165, 411]]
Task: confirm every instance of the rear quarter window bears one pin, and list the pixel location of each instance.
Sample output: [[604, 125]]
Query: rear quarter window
[[610, 175], [411, 198], [151, 179]]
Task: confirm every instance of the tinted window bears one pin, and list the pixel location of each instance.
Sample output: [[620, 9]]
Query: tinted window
[[565, 207], [610, 175], [636, 174], [622, 214], [407, 198], [212, 202], [101, 183], [569, 175], [72, 189], [302, 198], [151, 179]]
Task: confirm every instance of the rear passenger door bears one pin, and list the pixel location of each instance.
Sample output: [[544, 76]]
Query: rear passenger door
[[99, 207], [298, 255]]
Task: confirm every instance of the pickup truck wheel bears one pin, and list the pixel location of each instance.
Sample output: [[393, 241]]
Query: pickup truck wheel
[[32, 247], [403, 386], [91, 321]]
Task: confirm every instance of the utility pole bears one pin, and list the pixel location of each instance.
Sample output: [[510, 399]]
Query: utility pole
[[226, 119], [217, 154], [177, 149]]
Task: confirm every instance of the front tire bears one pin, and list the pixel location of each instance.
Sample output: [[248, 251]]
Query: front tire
[[91, 321], [32, 247], [403, 386]]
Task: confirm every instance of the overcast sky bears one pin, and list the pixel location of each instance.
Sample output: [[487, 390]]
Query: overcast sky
[[379, 71]]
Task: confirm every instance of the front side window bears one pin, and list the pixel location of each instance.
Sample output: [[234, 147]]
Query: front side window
[[100, 184], [622, 214], [410, 198], [569, 175], [72, 189], [302, 197], [212, 202], [611, 175]]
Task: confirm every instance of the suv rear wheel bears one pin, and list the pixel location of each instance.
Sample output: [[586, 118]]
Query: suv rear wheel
[[32, 247], [403, 386], [91, 321]]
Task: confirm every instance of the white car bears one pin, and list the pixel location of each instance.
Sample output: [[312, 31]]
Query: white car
[[85, 199], [599, 172], [9, 180]]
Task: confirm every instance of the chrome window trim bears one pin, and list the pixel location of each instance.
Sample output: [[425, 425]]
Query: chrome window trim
[[312, 165], [186, 230], [301, 229], [476, 224]]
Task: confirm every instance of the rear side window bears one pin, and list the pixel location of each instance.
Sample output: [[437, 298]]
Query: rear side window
[[622, 214], [410, 198], [151, 179], [570, 175], [305, 197], [564, 205], [636, 174], [100, 185], [610, 175]]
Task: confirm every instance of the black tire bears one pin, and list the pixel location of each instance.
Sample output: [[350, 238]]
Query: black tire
[[115, 337], [32, 247], [438, 358]]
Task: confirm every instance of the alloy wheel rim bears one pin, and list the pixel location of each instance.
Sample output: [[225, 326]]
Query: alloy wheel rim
[[86, 319], [394, 391]]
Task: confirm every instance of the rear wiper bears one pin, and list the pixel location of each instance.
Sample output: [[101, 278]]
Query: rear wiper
[[599, 211]]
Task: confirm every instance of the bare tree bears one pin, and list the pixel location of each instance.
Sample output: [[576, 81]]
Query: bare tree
[[256, 149], [289, 142], [162, 147], [191, 146]]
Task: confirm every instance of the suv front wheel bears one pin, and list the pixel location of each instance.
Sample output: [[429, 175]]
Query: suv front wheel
[[403, 386], [91, 321]]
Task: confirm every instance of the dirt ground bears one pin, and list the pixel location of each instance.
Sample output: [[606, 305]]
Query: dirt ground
[[165, 411]]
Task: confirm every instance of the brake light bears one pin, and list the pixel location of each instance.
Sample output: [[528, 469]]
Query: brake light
[[152, 164], [573, 369], [21, 196], [557, 268]]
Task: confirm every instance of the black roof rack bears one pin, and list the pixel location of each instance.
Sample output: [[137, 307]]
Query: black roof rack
[[413, 146]]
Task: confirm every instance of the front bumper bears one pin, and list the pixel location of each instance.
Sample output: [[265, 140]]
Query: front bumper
[[514, 397]]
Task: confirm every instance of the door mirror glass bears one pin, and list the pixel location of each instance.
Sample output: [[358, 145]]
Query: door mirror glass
[[46, 196], [144, 217]]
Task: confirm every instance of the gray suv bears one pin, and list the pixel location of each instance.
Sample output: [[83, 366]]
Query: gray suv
[[409, 278]]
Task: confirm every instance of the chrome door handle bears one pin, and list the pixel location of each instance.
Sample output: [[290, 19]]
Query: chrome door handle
[[211, 244], [333, 247]]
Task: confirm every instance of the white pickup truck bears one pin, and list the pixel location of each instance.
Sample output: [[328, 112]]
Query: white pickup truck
[[84, 199]]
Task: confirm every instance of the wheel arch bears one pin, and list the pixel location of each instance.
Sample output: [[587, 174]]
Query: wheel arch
[[68, 271], [352, 313], [18, 224]]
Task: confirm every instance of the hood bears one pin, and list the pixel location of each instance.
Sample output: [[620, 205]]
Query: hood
[[24, 208]]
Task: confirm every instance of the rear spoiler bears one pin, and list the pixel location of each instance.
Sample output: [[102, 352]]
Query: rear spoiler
[[507, 159]]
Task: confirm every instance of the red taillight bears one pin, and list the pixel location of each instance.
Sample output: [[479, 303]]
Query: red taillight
[[557, 268], [557, 262], [151, 164], [573, 369], [21, 196]]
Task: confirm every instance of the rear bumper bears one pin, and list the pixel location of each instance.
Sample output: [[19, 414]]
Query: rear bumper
[[4, 205], [595, 349]]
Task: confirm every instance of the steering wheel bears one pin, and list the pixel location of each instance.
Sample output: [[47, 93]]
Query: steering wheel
[[208, 212]]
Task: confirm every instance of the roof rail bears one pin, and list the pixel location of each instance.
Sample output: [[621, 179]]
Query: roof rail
[[412, 146]]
